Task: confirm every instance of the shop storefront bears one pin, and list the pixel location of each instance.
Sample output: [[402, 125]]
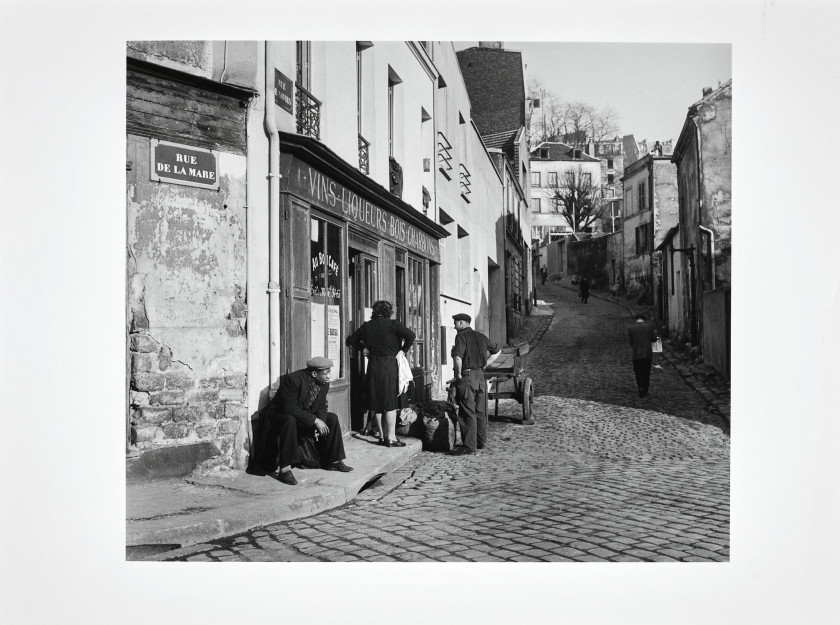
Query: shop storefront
[[347, 242]]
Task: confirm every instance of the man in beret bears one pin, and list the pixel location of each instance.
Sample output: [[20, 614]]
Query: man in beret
[[471, 353], [299, 409]]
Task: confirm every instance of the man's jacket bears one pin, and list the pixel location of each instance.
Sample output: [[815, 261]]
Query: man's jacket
[[292, 398]]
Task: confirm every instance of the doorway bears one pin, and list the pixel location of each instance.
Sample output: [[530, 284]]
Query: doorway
[[363, 293]]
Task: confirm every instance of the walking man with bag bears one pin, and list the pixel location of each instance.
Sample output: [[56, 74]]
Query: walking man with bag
[[471, 353], [642, 335]]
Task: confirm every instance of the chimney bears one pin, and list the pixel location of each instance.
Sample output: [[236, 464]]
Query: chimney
[[494, 45], [707, 91]]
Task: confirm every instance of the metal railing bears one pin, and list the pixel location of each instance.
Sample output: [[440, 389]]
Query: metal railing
[[308, 113], [444, 155], [364, 155]]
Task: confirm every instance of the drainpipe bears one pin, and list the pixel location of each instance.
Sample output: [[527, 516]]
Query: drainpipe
[[273, 287], [711, 251]]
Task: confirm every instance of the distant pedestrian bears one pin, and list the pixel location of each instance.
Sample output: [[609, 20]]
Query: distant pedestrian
[[471, 353], [584, 289], [642, 335], [383, 338], [543, 274]]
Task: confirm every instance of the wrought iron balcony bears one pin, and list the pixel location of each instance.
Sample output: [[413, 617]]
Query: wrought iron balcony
[[308, 109], [364, 155]]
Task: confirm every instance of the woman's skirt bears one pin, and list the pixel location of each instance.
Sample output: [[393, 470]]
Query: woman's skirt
[[382, 384]]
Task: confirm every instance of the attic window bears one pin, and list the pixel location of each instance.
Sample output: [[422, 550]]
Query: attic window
[[543, 153], [577, 153]]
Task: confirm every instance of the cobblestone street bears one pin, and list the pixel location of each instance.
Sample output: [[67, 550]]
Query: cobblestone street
[[602, 476]]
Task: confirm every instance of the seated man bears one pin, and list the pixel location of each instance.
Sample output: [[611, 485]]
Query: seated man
[[299, 409]]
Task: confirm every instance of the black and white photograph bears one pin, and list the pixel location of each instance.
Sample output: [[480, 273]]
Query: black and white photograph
[[440, 330]]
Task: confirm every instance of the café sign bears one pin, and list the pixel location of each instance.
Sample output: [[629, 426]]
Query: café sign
[[181, 164], [338, 199]]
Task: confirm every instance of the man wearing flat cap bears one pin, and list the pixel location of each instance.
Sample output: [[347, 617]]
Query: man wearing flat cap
[[471, 353], [299, 409]]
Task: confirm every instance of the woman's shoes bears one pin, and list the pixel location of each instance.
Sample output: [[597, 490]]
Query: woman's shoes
[[382, 442], [396, 443]]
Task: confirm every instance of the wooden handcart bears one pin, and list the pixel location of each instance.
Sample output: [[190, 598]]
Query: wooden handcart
[[506, 379]]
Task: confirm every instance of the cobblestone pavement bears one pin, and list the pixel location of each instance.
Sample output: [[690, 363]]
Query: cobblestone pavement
[[602, 476]]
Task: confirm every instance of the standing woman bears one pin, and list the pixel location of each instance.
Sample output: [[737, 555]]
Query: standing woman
[[383, 337]]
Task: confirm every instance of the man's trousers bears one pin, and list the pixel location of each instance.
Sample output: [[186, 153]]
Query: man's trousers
[[471, 395], [280, 446], [641, 368]]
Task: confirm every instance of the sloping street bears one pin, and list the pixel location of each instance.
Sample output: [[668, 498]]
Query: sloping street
[[603, 475]]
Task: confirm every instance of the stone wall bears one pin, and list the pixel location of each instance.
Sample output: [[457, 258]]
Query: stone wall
[[186, 309]]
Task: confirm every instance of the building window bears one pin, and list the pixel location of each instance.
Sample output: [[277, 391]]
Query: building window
[[304, 64], [628, 200], [390, 119], [535, 205], [325, 288], [610, 178], [552, 179], [543, 153], [535, 179], [307, 106], [586, 179], [642, 197], [643, 238], [417, 312], [615, 216], [609, 163]]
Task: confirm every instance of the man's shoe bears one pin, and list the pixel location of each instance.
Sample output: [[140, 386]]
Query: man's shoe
[[287, 477], [461, 451], [339, 466]]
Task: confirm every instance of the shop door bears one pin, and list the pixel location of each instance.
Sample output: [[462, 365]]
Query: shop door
[[363, 293]]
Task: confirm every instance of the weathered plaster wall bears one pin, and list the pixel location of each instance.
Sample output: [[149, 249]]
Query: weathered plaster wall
[[715, 122], [187, 307]]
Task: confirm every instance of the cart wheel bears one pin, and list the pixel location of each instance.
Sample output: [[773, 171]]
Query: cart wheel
[[527, 402]]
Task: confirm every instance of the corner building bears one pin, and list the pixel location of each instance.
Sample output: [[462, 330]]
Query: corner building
[[275, 190]]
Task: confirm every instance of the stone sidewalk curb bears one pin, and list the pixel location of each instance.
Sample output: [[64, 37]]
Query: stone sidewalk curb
[[195, 510]]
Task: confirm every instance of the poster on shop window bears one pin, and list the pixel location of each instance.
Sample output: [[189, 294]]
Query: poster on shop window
[[334, 335]]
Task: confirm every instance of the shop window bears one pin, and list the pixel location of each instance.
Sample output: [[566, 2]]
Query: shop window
[[417, 312], [326, 262]]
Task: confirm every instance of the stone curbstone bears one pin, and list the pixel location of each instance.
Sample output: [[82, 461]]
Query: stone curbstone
[[235, 411], [189, 413], [231, 394], [167, 397], [143, 343], [235, 380], [141, 363], [176, 430], [179, 380], [229, 426], [148, 414], [147, 381], [209, 395]]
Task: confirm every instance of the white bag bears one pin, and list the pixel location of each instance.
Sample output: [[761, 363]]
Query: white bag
[[656, 346], [405, 372]]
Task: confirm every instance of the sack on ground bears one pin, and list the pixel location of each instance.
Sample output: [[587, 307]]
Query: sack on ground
[[309, 456], [405, 419], [438, 426]]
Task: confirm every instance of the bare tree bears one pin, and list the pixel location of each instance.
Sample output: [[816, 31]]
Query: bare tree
[[575, 123], [576, 198]]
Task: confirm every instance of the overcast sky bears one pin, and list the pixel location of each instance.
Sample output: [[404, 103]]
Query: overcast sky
[[650, 85]]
